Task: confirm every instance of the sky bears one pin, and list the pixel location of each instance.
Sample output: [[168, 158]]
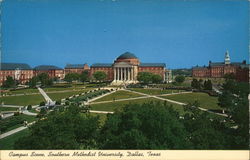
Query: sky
[[179, 33]]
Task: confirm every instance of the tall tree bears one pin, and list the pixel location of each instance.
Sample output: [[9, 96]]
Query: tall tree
[[146, 126], [100, 75], [234, 99], [205, 130], [156, 78], [180, 79], [33, 81], [45, 79], [65, 129], [9, 82], [84, 76], [144, 77], [208, 85], [71, 77]]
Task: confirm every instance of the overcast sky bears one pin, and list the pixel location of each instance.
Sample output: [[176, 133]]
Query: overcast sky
[[178, 33]]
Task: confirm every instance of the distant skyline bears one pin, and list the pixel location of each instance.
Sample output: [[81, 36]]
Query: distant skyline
[[180, 33]]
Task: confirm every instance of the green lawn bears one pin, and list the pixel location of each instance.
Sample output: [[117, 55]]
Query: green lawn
[[7, 143], [22, 100], [112, 106], [118, 95], [204, 99], [8, 109], [58, 96], [25, 91], [61, 89], [154, 91]]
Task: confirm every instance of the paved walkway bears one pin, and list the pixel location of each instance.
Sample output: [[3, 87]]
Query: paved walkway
[[15, 130], [29, 113], [102, 112], [12, 132], [46, 97], [11, 106], [7, 115]]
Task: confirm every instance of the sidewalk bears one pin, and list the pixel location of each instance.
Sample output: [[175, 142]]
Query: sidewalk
[[15, 130]]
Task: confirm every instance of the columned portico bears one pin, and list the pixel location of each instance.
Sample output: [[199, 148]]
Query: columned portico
[[123, 74]]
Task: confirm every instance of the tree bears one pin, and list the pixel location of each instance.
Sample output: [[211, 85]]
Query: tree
[[45, 79], [234, 99], [42, 103], [208, 85], [71, 77], [84, 76], [64, 129], [200, 84], [196, 84], [29, 107], [9, 82], [156, 78], [33, 81], [205, 131], [146, 126], [144, 77], [229, 76], [100, 75], [180, 79]]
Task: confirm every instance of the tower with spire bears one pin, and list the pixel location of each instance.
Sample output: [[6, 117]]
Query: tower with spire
[[227, 58]]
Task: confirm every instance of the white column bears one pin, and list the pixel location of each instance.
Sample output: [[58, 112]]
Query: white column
[[121, 74], [126, 77], [118, 72], [132, 73], [114, 74]]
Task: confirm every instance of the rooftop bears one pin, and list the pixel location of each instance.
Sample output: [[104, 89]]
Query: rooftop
[[74, 66], [46, 67], [127, 55], [13, 66], [102, 65], [152, 65]]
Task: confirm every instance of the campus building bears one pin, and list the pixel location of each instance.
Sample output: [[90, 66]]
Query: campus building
[[76, 68], [52, 71], [19, 71], [219, 69], [126, 68]]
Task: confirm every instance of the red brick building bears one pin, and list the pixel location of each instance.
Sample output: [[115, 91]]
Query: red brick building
[[76, 68], [219, 69], [19, 71], [126, 68], [52, 71]]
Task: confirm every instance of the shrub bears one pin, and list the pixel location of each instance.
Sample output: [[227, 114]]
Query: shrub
[[29, 107], [42, 103], [58, 102]]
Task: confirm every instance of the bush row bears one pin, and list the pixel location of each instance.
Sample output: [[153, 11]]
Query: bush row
[[89, 95]]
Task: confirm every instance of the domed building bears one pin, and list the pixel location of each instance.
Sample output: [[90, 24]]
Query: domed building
[[126, 68]]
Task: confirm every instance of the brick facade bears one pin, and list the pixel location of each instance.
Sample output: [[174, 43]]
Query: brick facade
[[219, 69]]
